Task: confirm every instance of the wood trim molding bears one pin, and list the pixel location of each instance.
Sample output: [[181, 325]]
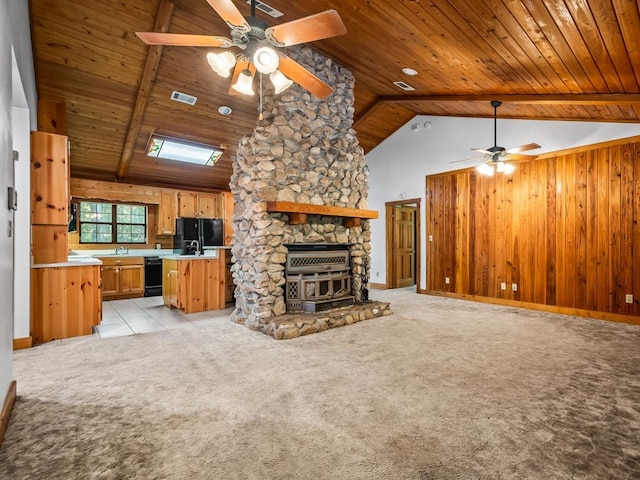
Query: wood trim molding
[[20, 343], [7, 408], [163, 19], [377, 286], [298, 212], [614, 317]]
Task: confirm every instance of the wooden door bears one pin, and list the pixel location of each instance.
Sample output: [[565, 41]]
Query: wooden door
[[404, 248], [132, 279], [109, 279]]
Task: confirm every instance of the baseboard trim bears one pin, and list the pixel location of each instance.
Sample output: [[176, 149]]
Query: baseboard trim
[[578, 312], [20, 343], [7, 408], [378, 286]]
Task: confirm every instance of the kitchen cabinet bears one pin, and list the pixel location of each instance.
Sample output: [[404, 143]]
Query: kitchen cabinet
[[194, 284], [166, 219], [49, 197], [122, 277], [192, 204], [49, 179], [65, 301]]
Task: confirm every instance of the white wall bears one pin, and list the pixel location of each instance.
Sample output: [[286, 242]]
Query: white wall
[[399, 165], [17, 117], [6, 179], [22, 243]]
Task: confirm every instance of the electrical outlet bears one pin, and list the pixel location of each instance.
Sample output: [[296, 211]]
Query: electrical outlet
[[447, 281], [431, 238], [377, 274], [503, 286], [514, 287], [628, 298]]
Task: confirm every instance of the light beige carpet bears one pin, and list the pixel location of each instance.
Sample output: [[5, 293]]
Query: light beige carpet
[[442, 389]]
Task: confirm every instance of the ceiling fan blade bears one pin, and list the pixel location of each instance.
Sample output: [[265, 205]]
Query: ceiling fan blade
[[230, 14], [523, 148], [468, 160], [303, 77], [307, 29], [182, 40], [482, 150], [520, 156]]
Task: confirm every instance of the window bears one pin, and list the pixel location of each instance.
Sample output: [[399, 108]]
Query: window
[[112, 223]]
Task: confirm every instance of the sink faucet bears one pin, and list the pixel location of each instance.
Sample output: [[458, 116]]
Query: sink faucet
[[122, 250], [197, 245]]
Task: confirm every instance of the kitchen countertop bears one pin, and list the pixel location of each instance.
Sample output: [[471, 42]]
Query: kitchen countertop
[[74, 261], [142, 252]]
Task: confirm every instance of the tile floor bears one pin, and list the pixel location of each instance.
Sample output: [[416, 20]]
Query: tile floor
[[147, 314]]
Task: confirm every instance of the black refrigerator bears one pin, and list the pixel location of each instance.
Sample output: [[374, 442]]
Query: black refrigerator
[[193, 234]]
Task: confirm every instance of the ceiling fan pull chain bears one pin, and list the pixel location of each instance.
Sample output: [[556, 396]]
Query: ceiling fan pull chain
[[260, 117]]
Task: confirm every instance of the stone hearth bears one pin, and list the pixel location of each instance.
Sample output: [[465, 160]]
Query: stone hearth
[[293, 325], [305, 151]]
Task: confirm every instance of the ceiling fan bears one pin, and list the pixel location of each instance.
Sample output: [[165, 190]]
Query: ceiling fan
[[261, 45], [496, 156]]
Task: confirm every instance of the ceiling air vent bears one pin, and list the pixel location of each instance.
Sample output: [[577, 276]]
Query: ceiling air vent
[[263, 7], [183, 97], [404, 86]]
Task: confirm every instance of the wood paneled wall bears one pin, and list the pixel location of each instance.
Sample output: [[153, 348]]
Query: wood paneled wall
[[564, 228]]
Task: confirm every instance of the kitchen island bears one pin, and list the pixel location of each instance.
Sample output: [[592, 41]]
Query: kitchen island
[[195, 283], [65, 299]]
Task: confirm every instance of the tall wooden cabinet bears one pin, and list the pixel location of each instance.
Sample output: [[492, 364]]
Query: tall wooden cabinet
[[49, 197]]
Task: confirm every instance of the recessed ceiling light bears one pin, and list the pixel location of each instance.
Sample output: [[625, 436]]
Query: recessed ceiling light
[[409, 71], [224, 110]]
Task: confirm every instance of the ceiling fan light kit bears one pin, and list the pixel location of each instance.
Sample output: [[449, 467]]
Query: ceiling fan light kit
[[221, 63], [266, 60], [244, 84], [260, 43], [280, 82]]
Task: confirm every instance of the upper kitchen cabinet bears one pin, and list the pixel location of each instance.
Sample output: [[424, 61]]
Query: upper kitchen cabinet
[[204, 205], [166, 221], [49, 179]]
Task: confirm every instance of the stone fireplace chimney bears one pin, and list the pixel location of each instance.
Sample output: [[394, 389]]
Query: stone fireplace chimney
[[304, 151]]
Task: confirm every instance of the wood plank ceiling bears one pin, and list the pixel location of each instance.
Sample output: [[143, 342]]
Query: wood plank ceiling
[[546, 59]]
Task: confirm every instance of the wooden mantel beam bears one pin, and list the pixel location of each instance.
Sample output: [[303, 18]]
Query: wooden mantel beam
[[298, 212], [163, 19]]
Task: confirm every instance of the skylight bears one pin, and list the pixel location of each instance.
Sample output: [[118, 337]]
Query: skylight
[[183, 151]]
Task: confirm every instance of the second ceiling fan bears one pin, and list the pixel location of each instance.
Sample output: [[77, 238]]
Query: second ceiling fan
[[261, 45], [496, 156]]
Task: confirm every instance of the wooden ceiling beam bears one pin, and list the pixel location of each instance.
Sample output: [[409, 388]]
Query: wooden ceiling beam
[[529, 99], [163, 19]]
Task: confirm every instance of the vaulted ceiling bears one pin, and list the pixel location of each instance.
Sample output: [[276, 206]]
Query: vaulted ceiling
[[545, 59]]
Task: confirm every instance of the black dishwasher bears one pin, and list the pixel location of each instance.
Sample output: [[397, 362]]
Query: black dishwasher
[[152, 276]]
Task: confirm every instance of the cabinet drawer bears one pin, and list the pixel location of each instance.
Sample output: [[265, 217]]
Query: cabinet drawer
[[115, 261]]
